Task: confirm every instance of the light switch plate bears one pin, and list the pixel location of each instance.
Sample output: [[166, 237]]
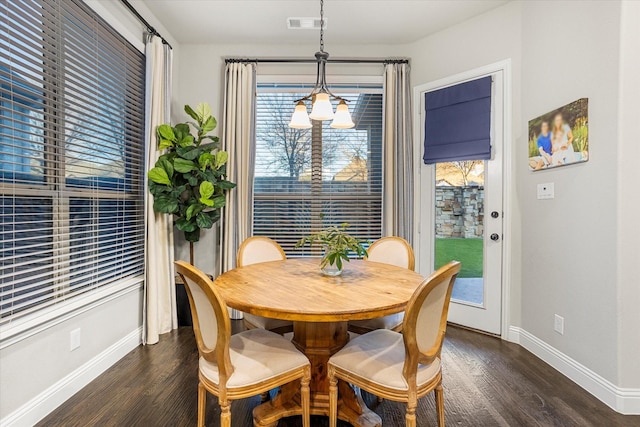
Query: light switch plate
[[546, 191]]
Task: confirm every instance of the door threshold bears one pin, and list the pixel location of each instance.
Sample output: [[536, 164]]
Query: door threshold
[[479, 331]]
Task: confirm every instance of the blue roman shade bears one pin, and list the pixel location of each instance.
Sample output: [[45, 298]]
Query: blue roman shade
[[458, 122]]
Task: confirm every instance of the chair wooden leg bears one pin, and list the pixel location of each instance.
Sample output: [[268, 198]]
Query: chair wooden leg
[[264, 396], [305, 395], [439, 394], [333, 398], [410, 418], [202, 404], [225, 413]]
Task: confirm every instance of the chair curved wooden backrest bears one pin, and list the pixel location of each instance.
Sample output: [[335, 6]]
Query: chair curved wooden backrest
[[211, 324], [255, 250], [259, 249], [425, 320], [392, 250]]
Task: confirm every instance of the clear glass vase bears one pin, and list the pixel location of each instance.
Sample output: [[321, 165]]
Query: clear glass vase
[[331, 270]]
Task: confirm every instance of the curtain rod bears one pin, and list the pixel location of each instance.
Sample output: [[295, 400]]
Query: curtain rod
[[313, 61], [150, 28]]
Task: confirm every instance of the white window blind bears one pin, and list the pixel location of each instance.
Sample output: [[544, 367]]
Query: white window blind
[[71, 155], [307, 179]]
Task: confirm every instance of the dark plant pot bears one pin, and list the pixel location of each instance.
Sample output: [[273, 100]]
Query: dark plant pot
[[182, 306]]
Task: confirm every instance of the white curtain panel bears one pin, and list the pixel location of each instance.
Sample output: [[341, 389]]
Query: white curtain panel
[[160, 315], [397, 207], [238, 139]]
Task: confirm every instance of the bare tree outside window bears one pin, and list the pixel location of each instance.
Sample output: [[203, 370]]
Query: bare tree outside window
[[290, 149], [461, 172], [306, 179]]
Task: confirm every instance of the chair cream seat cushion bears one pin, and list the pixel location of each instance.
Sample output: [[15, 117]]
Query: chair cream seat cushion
[[386, 322], [256, 355], [266, 322], [379, 356]]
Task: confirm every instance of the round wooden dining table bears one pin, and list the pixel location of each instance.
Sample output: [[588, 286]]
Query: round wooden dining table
[[320, 307]]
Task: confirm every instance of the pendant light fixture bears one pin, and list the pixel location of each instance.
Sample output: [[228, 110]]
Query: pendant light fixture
[[321, 96]]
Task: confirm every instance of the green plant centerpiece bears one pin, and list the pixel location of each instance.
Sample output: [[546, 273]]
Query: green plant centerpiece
[[337, 245], [189, 179]]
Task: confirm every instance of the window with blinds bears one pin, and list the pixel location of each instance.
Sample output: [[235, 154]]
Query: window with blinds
[[71, 155], [307, 179]]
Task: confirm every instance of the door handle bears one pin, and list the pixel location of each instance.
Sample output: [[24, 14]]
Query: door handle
[[495, 214], [495, 237]]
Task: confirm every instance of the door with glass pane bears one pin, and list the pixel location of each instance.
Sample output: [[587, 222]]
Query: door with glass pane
[[461, 218], [468, 228]]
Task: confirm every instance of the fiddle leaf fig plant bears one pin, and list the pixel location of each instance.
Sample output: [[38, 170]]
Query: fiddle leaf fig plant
[[189, 180]]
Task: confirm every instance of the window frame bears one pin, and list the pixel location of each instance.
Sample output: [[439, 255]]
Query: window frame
[[285, 82], [58, 190]]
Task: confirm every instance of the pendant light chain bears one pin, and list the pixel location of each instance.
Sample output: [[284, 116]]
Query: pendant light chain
[[321, 25], [320, 96]]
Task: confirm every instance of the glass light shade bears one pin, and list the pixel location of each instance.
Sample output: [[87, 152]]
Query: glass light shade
[[300, 118], [342, 118], [322, 109]]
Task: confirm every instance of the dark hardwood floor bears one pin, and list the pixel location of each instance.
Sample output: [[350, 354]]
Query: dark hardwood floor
[[487, 382]]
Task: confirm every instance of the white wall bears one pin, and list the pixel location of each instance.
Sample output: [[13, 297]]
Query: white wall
[[569, 244], [202, 66], [38, 371], [629, 198]]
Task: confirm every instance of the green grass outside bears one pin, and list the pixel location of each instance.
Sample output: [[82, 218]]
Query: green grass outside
[[468, 251]]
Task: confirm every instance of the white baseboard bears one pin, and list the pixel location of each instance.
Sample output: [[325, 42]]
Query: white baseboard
[[623, 400], [44, 403]]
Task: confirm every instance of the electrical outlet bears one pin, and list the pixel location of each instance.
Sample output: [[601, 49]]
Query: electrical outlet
[[558, 324], [74, 339]]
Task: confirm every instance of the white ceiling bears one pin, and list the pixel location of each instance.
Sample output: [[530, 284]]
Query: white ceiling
[[348, 21]]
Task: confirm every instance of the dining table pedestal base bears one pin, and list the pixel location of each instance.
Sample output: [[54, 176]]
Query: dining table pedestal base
[[318, 341]]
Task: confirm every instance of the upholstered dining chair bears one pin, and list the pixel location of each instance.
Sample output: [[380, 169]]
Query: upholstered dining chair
[[387, 250], [254, 250], [242, 365], [401, 367]]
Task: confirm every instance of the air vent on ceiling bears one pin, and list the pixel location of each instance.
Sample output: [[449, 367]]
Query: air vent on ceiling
[[305, 23]]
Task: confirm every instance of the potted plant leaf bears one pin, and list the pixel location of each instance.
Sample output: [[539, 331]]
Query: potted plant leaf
[[337, 245], [189, 179]]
